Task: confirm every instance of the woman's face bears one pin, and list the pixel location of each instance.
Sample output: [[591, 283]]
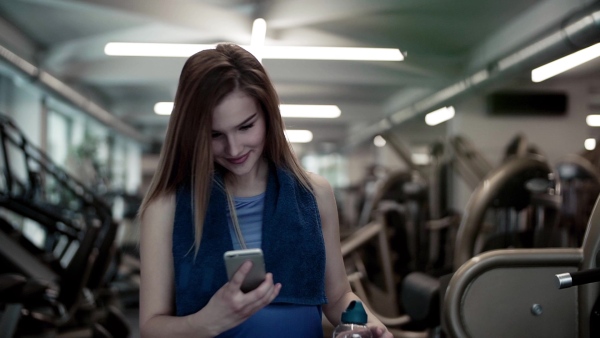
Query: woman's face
[[238, 133]]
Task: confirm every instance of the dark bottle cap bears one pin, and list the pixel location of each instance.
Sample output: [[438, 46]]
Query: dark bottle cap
[[354, 314]]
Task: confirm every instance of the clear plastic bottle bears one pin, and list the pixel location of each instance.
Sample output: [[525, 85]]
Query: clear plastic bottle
[[353, 324]]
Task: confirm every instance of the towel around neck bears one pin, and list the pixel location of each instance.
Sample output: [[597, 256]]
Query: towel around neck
[[292, 243]]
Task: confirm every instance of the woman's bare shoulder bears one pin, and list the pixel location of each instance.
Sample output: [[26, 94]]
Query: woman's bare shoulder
[[321, 187], [319, 183], [160, 203], [159, 212]]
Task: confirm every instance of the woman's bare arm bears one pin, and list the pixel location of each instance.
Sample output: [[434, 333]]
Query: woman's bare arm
[[337, 288], [157, 282]]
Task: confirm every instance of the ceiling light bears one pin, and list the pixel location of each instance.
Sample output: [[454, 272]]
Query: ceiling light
[[257, 40], [593, 120], [565, 63], [332, 53], [153, 49], [379, 141], [163, 108], [590, 144], [287, 110], [298, 136], [439, 116], [310, 111], [269, 52]]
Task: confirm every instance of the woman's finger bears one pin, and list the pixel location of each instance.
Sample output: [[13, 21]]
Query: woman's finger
[[380, 332], [240, 275], [262, 295], [262, 291]]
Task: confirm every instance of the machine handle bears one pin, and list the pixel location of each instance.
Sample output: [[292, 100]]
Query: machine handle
[[568, 279]]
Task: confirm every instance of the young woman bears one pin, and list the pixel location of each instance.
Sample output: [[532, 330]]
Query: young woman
[[226, 163]]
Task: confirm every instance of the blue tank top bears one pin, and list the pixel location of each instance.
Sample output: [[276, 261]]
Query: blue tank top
[[280, 321], [249, 211], [275, 320]]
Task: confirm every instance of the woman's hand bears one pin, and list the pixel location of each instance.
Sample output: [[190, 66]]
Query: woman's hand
[[230, 306], [380, 332]]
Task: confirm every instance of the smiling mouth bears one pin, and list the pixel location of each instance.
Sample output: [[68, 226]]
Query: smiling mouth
[[238, 160]]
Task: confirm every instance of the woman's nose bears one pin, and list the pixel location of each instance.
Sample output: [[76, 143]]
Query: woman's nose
[[234, 148]]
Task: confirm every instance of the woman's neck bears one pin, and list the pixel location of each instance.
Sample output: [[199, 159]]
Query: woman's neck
[[250, 184]]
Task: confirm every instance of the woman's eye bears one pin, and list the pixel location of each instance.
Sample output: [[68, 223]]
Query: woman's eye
[[215, 135], [246, 127]]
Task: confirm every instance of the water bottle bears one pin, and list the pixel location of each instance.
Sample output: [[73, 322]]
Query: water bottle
[[353, 324]]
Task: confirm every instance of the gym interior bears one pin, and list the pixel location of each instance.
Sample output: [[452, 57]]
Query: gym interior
[[484, 223]]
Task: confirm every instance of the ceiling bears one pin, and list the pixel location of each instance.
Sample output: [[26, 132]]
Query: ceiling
[[443, 41]]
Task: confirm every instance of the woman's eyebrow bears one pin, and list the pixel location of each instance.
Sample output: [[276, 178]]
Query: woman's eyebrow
[[247, 120]]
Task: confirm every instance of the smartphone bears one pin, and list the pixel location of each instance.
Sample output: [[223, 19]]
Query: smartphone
[[234, 259]]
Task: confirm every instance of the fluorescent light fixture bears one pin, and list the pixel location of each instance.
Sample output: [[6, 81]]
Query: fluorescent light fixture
[[298, 136], [153, 49], [287, 110], [565, 63], [269, 52], [310, 111], [593, 120], [333, 53], [589, 144], [379, 141], [439, 116], [257, 40], [163, 108]]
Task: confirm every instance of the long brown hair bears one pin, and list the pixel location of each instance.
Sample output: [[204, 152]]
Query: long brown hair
[[186, 156]]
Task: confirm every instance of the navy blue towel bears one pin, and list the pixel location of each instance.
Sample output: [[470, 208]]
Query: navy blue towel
[[292, 242]]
